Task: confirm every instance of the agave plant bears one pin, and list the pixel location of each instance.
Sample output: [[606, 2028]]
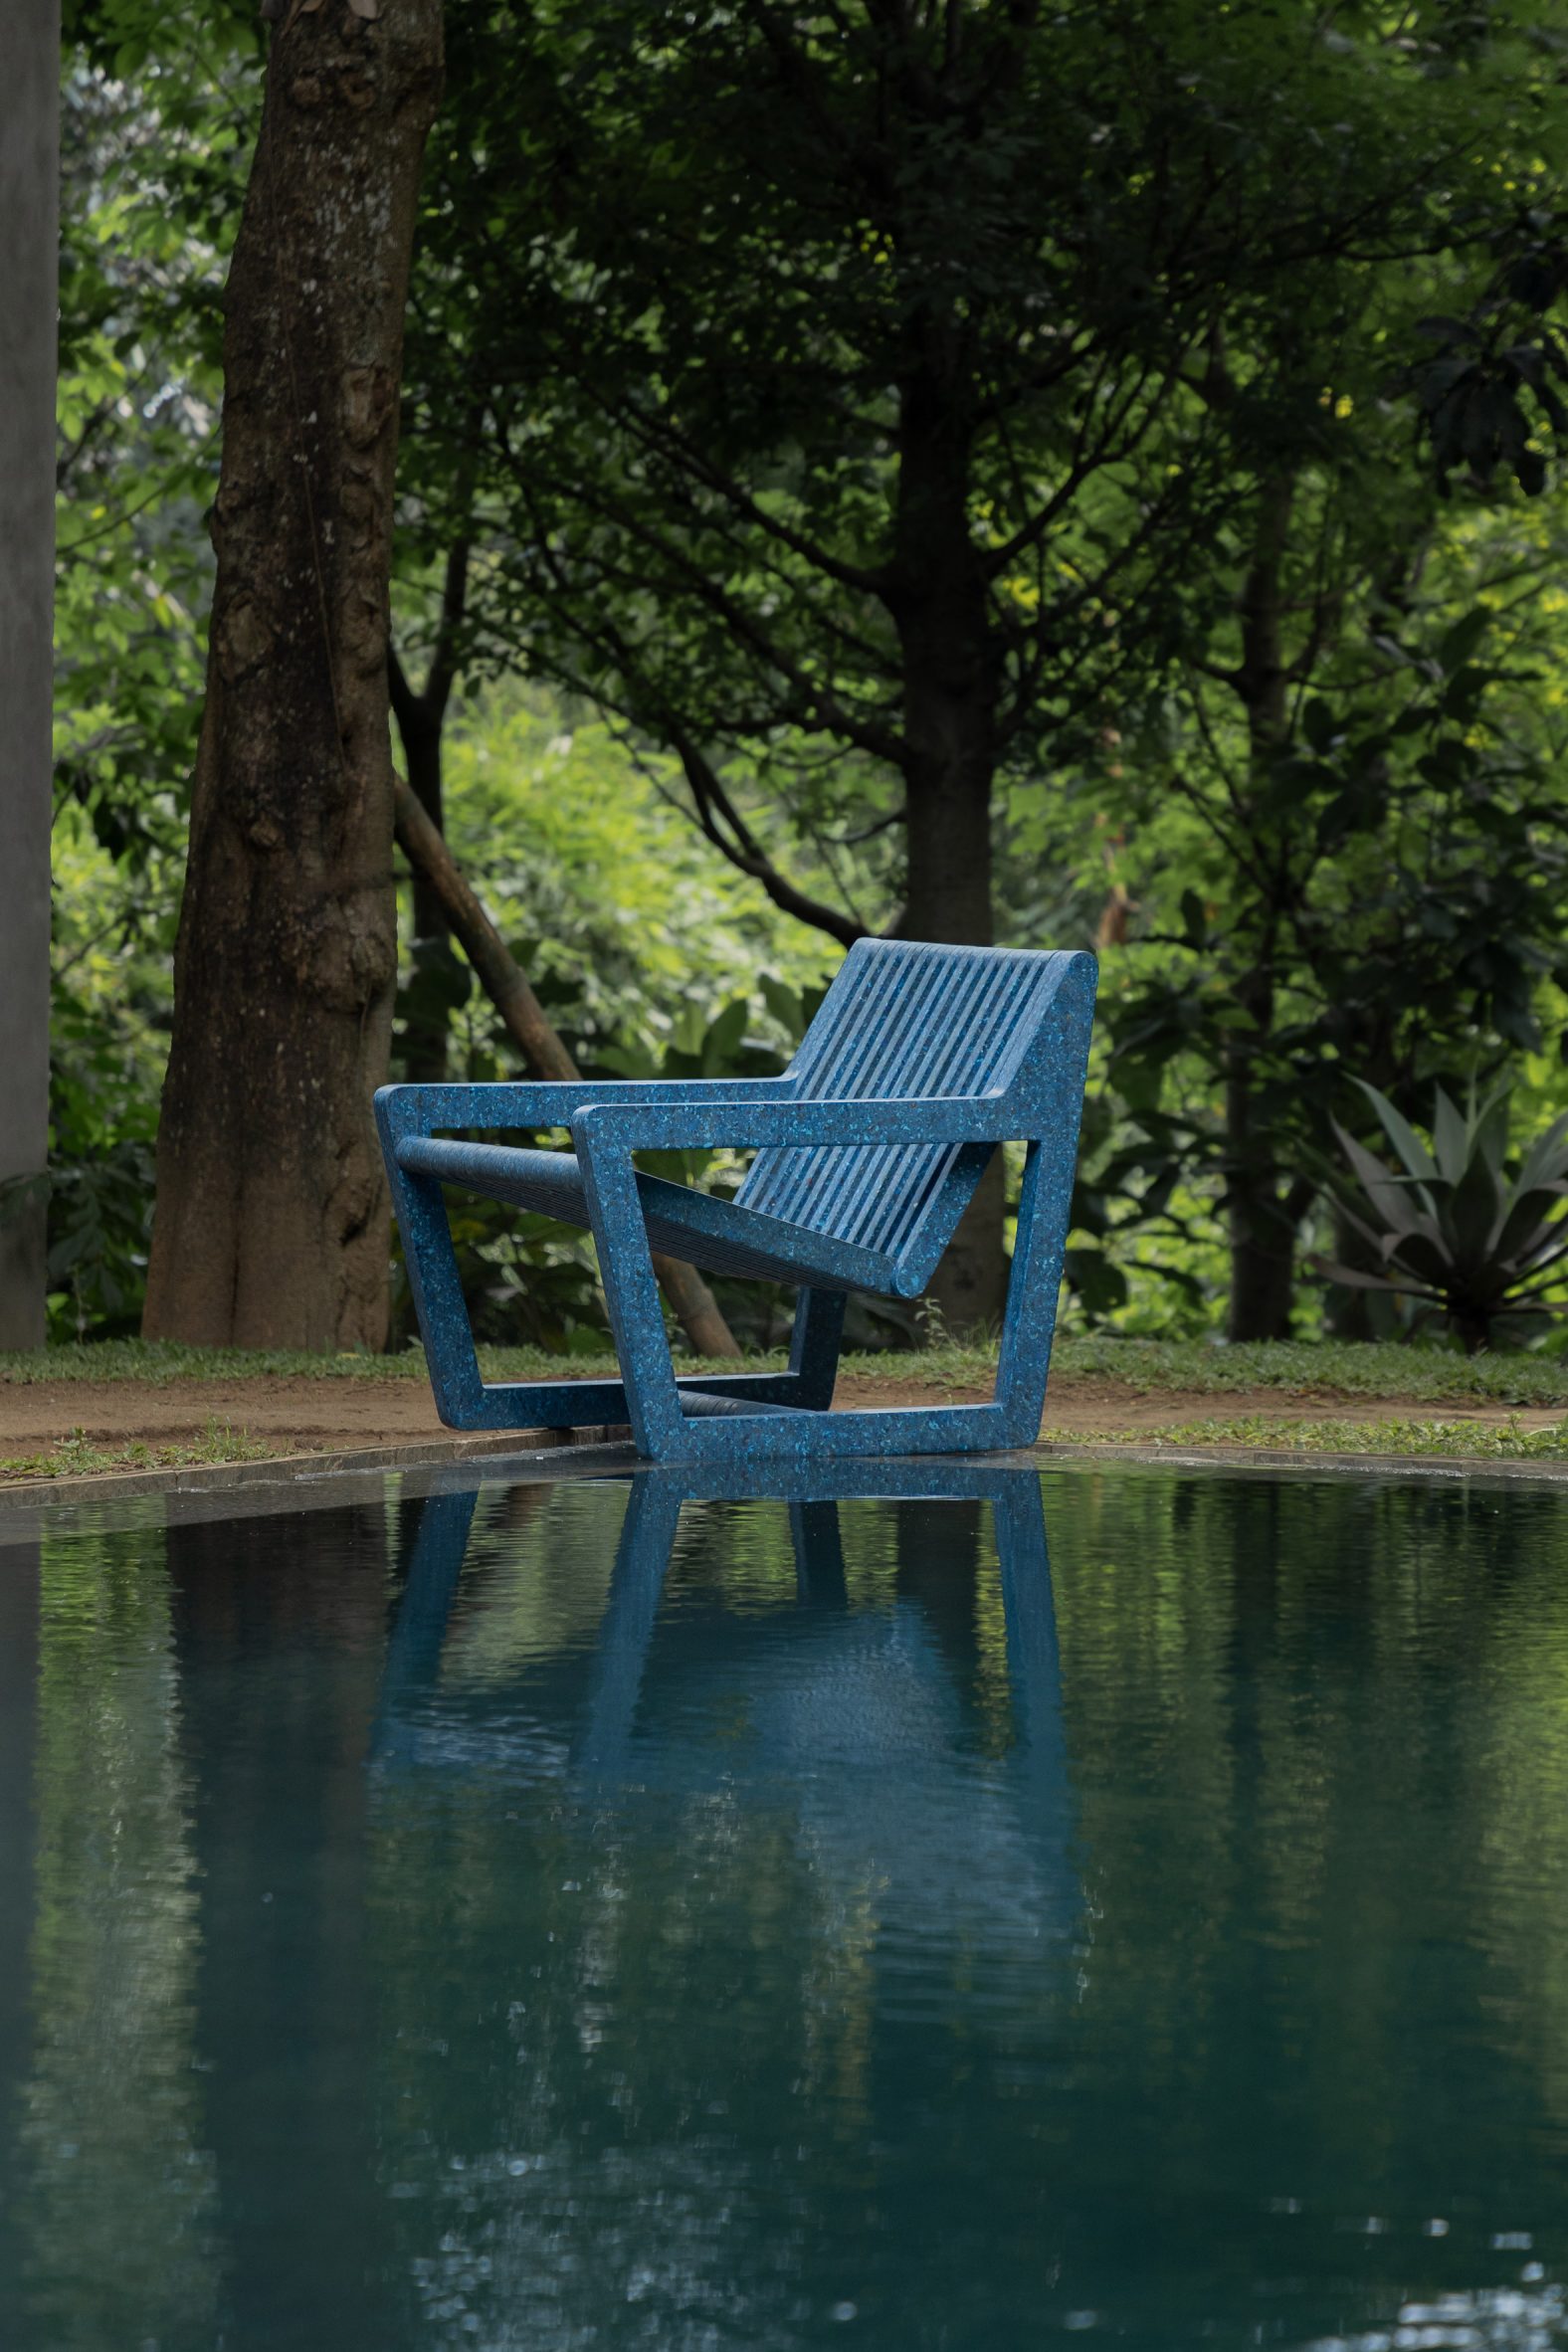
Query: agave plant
[[1450, 1225]]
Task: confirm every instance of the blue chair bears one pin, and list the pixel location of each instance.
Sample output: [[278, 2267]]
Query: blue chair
[[920, 1061]]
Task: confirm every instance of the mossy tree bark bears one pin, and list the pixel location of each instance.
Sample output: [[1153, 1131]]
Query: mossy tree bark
[[272, 1223]]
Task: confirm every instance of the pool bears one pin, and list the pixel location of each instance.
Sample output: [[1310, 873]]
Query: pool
[[999, 1908]]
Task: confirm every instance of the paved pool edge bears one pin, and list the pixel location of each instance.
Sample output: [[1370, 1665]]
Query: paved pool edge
[[564, 1453]]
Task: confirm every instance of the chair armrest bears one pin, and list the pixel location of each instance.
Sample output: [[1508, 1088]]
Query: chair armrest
[[527, 1102], [744, 1121]]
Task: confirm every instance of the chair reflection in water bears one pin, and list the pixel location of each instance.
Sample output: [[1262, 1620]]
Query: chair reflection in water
[[848, 1719]]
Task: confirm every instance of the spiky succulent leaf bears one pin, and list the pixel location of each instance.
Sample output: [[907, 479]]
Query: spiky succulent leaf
[[1451, 1139], [1456, 1230], [1490, 1127], [1546, 1161], [1413, 1153], [1428, 1255], [1528, 1222], [1393, 1197], [1471, 1212], [1355, 1278]]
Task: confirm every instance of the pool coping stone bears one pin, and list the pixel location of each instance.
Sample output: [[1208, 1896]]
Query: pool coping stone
[[561, 1452]]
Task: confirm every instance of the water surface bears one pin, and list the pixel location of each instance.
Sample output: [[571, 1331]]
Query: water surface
[[545, 1919]]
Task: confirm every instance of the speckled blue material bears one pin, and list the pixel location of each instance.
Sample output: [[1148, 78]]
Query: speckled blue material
[[919, 1063], [813, 1491]]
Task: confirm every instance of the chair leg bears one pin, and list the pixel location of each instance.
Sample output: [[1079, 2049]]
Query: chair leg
[[464, 1399], [439, 1304], [815, 1347], [1029, 1325], [626, 1267]]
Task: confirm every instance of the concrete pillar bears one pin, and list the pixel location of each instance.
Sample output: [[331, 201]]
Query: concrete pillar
[[29, 274]]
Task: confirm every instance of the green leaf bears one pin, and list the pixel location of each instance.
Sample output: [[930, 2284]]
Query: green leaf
[[1317, 725], [1528, 1227], [1470, 1215], [1389, 1194], [1546, 1161], [784, 1005], [1451, 1141], [721, 1043], [1456, 645], [1418, 1161], [1490, 1126], [1096, 1280], [1354, 1278]]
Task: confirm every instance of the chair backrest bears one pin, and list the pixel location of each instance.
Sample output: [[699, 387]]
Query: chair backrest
[[903, 1019]]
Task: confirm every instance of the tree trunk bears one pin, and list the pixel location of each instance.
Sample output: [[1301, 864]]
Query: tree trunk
[[1263, 1236], [29, 246], [951, 681], [271, 1209], [1261, 1233]]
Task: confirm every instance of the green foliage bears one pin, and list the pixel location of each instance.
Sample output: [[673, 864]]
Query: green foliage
[[101, 1185], [714, 294], [146, 228], [650, 959], [1455, 1223], [1371, 881], [669, 289], [766, 356]]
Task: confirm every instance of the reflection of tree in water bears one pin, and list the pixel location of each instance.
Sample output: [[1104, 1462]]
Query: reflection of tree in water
[[1319, 1740], [280, 1627], [114, 2213]]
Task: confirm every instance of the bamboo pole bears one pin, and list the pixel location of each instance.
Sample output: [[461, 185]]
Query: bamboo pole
[[542, 1048]]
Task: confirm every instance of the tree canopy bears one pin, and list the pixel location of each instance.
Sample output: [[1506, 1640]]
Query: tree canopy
[[995, 472]]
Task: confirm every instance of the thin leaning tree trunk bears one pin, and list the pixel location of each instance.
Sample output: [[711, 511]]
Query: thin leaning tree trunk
[[542, 1049], [272, 1216]]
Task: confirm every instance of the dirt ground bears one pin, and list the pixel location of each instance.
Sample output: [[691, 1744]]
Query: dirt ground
[[296, 1414]]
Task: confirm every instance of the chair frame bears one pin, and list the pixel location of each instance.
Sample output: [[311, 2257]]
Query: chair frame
[[733, 1418]]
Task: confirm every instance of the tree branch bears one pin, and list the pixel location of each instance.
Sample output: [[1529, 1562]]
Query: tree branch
[[714, 810], [542, 1045], [441, 674]]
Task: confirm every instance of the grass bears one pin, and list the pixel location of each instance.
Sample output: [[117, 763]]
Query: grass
[[1456, 1440], [74, 1457], [1319, 1368], [1326, 1371], [1322, 1367]]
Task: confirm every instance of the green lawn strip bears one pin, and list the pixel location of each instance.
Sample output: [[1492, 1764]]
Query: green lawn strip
[[1351, 1368], [1427, 1375], [76, 1456], [1504, 1441]]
